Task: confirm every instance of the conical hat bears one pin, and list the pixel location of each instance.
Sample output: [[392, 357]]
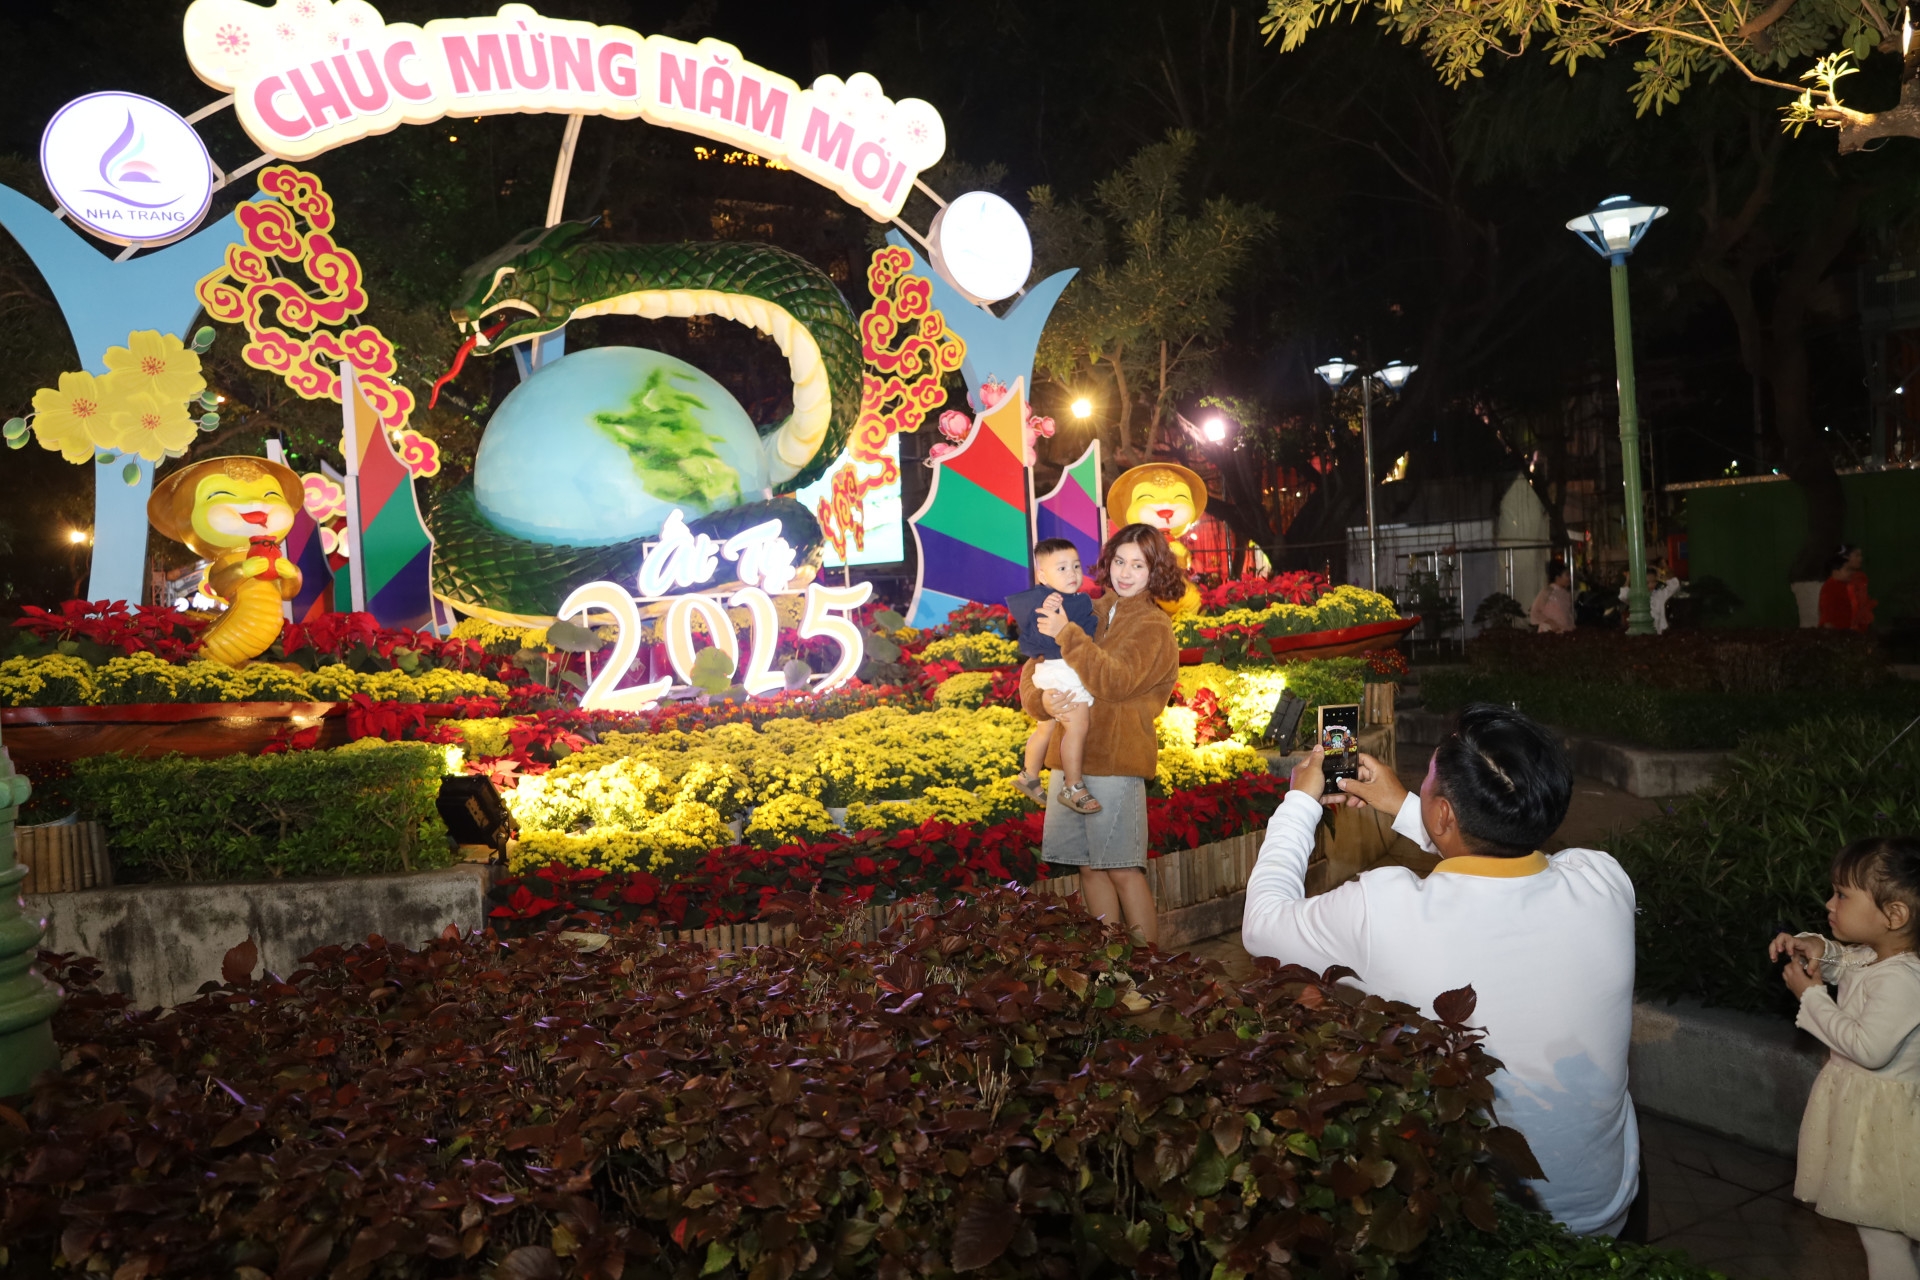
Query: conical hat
[[170, 509], [1120, 494]]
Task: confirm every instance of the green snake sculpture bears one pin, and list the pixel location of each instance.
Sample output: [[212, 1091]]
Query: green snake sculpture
[[548, 276]]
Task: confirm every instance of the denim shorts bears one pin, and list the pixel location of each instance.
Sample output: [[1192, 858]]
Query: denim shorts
[[1113, 839]]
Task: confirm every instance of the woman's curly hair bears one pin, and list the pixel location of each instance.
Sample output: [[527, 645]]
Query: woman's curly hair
[[1164, 579]]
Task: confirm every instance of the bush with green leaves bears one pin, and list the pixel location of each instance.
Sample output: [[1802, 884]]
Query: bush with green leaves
[[1727, 867], [1532, 1246], [1673, 719], [360, 810]]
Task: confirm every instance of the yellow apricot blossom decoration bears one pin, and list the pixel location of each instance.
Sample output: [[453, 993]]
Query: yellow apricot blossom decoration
[[145, 424], [157, 362], [74, 420]]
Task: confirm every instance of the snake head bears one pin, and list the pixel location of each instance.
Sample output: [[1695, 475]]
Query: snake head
[[517, 282]]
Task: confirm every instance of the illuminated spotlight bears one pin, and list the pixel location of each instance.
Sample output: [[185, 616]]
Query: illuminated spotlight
[[76, 537], [1083, 408], [1216, 430]]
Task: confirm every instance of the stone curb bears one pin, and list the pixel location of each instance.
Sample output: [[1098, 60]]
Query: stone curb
[[1739, 1075], [1648, 772], [159, 942]]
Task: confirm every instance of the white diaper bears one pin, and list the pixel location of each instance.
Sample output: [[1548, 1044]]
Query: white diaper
[[1055, 674]]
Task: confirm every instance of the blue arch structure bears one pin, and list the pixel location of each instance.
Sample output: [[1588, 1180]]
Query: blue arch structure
[[102, 302]]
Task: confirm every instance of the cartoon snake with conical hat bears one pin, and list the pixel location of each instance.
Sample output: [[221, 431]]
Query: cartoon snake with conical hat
[[234, 512], [545, 277]]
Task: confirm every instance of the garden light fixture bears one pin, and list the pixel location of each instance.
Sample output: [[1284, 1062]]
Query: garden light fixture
[[1215, 430], [1395, 375], [1336, 372], [1613, 231], [1083, 408], [1615, 226]]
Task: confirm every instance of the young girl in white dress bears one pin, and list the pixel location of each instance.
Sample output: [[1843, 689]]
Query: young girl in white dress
[[1860, 1137]]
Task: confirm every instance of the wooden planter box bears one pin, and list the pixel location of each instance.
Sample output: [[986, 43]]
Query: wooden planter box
[[62, 857], [1341, 642], [42, 735]]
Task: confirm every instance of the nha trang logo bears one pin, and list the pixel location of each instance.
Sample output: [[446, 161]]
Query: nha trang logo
[[127, 168], [122, 169]]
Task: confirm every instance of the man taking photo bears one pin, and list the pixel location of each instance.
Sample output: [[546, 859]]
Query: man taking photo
[[1545, 942]]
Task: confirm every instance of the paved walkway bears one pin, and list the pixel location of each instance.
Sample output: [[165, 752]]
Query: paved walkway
[[1727, 1206]]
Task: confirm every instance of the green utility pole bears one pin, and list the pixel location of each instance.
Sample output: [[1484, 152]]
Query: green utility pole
[[27, 1000], [1639, 615]]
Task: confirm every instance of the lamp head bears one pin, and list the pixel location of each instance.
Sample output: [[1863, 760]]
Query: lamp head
[[1083, 408], [1215, 430], [1613, 229], [1336, 371], [1396, 374]]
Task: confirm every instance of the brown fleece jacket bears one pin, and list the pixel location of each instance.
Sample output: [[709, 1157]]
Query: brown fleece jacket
[[1129, 666]]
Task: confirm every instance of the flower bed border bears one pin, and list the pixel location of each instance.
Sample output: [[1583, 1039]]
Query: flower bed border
[[40, 735], [1181, 879]]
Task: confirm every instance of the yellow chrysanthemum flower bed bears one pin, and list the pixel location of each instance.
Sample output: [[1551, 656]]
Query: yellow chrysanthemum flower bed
[[973, 650], [53, 681], [966, 689], [890, 767], [60, 680]]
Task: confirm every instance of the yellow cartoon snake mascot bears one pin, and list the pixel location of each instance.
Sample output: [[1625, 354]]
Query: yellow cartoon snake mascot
[[1169, 497], [234, 511]]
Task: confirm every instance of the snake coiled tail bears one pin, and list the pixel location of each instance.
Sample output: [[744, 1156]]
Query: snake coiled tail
[[549, 276], [250, 624]]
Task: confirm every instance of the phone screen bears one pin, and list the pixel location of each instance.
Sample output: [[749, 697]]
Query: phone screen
[[1340, 739]]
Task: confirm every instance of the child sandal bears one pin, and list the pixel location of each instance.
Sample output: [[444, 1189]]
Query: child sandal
[[1079, 799], [1029, 786]]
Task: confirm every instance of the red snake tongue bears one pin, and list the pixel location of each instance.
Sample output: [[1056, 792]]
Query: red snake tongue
[[459, 362]]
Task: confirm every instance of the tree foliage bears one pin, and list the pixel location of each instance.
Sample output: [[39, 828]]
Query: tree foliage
[[1151, 305], [1673, 42]]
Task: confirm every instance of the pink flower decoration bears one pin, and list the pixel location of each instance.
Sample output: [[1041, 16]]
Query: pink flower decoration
[[1042, 427], [940, 451], [418, 454], [992, 392], [324, 499], [954, 425], [232, 40]]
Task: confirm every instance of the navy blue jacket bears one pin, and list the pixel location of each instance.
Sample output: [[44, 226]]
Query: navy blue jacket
[[1026, 611]]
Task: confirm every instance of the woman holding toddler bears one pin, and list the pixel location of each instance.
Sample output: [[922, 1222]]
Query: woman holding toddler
[[1129, 665]]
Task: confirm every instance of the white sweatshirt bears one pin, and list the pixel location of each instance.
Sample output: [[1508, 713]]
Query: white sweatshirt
[[1546, 944]]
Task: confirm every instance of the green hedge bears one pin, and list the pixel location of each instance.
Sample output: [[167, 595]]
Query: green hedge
[[1728, 866], [1676, 719], [354, 811], [1532, 1246]]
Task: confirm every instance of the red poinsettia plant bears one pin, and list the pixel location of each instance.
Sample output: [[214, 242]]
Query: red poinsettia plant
[[1298, 586], [101, 629]]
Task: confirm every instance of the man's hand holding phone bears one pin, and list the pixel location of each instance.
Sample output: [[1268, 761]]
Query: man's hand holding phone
[[1376, 785]]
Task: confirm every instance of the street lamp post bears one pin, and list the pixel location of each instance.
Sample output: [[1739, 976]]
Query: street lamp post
[[1613, 230], [1395, 375]]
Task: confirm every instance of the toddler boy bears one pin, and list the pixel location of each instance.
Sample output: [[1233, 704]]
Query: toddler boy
[[1056, 568]]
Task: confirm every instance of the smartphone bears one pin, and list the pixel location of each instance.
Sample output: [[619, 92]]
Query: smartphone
[[1340, 739]]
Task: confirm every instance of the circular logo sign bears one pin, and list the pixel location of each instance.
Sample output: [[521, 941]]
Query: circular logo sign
[[127, 168], [981, 245]]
